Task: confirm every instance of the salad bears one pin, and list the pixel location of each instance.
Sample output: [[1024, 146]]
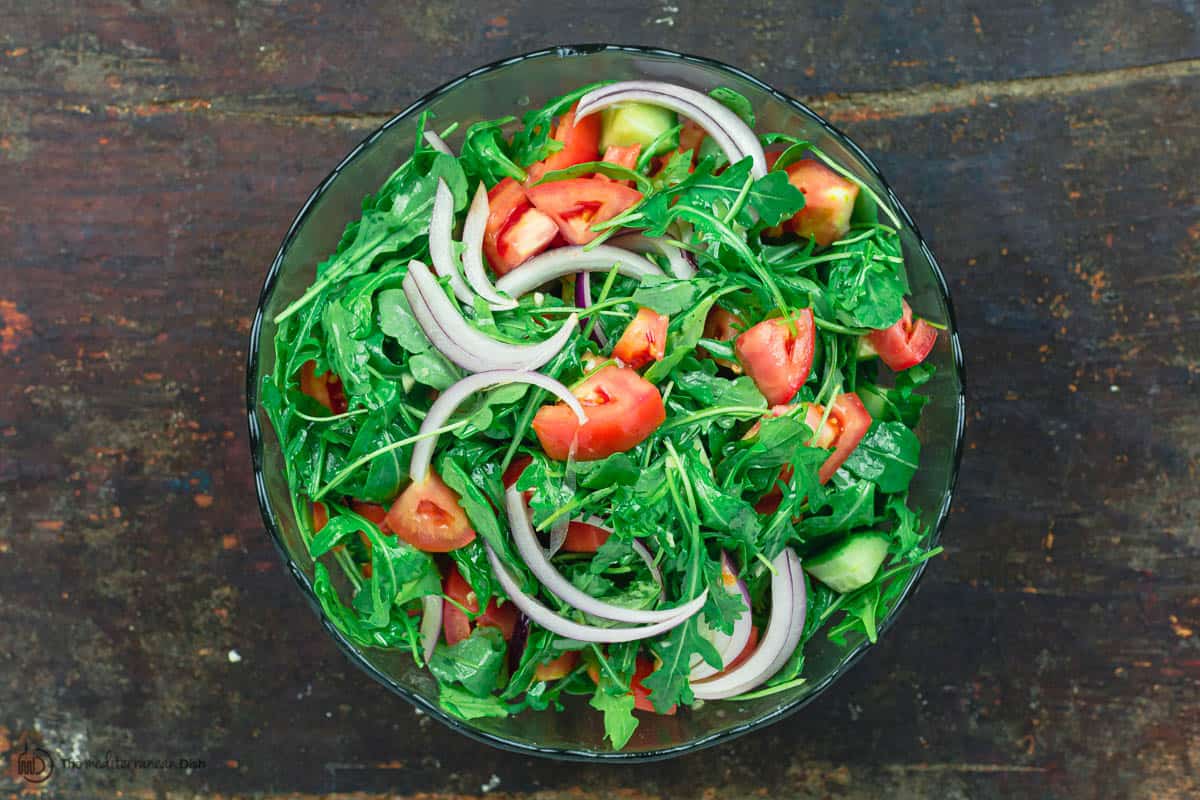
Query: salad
[[617, 402]]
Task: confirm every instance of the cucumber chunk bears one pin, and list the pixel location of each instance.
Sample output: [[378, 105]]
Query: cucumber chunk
[[866, 351], [849, 564], [633, 123]]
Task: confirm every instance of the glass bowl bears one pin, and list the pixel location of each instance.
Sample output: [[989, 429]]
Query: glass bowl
[[507, 87]]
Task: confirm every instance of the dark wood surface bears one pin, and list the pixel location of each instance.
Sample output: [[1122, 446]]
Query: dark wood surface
[[151, 156]]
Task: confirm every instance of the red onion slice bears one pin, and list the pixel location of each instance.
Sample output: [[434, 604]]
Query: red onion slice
[[789, 602], [433, 331], [570, 629], [473, 231], [726, 128], [431, 624], [441, 245], [583, 299], [729, 645], [449, 401], [561, 261], [473, 349], [535, 559], [437, 143], [681, 266]]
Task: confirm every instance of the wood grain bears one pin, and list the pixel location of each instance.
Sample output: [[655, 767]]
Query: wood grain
[[151, 156]]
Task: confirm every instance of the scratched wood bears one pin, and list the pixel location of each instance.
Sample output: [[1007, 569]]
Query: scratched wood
[[151, 155]]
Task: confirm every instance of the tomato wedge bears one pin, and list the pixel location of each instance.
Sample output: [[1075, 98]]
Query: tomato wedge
[[581, 143], [828, 202], [558, 668], [905, 344], [428, 516], [623, 156], [622, 408], [778, 356], [515, 231], [644, 340], [848, 422], [457, 626], [325, 388], [584, 538], [577, 204]]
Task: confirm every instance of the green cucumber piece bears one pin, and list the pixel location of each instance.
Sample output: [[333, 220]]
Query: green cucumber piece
[[849, 564], [633, 123], [866, 351]]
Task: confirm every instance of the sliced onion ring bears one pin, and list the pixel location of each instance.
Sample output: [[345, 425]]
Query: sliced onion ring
[[473, 231], [437, 143], [535, 559], [441, 245], [431, 624], [726, 128], [473, 349], [729, 645], [570, 629], [561, 261], [583, 299], [789, 602], [449, 401], [681, 266]]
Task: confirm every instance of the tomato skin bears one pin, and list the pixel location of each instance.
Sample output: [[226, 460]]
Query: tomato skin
[[626, 157], [776, 358], [644, 340], [905, 344], [558, 668], [325, 388], [622, 408], [641, 695], [578, 203], [828, 202], [581, 142], [428, 516], [584, 538], [849, 420], [372, 511], [457, 626], [515, 231], [320, 516]]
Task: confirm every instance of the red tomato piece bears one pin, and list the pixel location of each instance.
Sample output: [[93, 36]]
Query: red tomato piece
[[515, 468], [326, 388], [623, 157], [644, 340], [778, 356], [724, 326], [428, 516], [457, 626], [622, 408], [581, 143], [558, 668], [515, 231], [828, 202], [848, 422], [641, 695], [584, 538], [577, 204], [372, 511], [905, 344], [320, 516]]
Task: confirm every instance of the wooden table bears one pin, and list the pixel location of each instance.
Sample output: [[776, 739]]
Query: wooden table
[[153, 153]]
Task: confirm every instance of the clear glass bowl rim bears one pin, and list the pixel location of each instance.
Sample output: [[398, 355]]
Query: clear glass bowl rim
[[351, 651]]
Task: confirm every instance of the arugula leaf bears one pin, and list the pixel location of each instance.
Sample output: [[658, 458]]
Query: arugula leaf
[[533, 143], [774, 198], [605, 168], [887, 455], [735, 102], [465, 705], [851, 507], [866, 287], [619, 721], [334, 533], [666, 295], [396, 320], [393, 564], [474, 663], [431, 368], [682, 336], [486, 154], [347, 355]]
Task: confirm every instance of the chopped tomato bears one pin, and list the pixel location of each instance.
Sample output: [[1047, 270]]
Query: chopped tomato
[[626, 157], [905, 344], [372, 511], [326, 388], [724, 326], [584, 538], [515, 468], [778, 355], [691, 136], [581, 143], [557, 668], [428, 516], [320, 516], [457, 626], [825, 436], [828, 202], [578, 203], [848, 422], [641, 695], [622, 409], [515, 231], [644, 340]]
